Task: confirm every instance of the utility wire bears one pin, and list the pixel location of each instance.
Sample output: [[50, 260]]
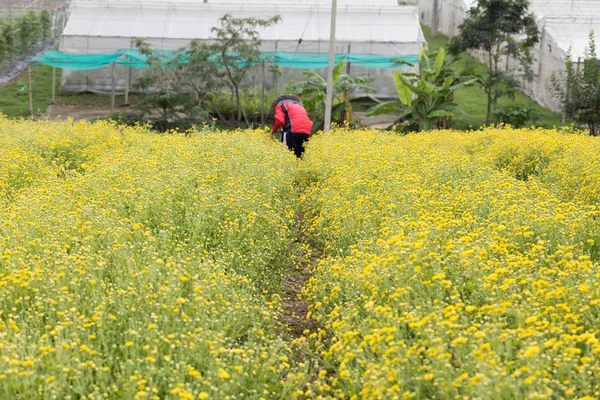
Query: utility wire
[[312, 10]]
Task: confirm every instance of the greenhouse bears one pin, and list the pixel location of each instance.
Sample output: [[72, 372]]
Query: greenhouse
[[563, 25], [381, 28]]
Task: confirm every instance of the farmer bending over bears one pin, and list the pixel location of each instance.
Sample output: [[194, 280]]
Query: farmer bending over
[[291, 116]]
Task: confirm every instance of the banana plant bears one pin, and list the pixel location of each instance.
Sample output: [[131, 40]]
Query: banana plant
[[425, 99], [312, 92]]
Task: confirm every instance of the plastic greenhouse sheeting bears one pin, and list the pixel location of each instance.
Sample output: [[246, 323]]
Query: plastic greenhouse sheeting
[[135, 59]]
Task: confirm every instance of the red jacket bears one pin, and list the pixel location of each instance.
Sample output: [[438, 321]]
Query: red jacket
[[292, 117]]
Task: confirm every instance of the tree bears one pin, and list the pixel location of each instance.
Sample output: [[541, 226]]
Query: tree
[[4, 51], [500, 28], [578, 89], [236, 45], [426, 98], [9, 41], [45, 25], [28, 32], [312, 91], [176, 85]]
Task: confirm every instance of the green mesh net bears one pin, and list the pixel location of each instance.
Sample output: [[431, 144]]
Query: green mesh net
[[135, 59]]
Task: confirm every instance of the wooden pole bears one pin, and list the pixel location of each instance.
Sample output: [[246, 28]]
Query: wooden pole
[[348, 64], [127, 79], [53, 85], [262, 96], [30, 90], [329, 98], [112, 97]]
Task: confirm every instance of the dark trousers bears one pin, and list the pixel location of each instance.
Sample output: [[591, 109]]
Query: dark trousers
[[295, 142]]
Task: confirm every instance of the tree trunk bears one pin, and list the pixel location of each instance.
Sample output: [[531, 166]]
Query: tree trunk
[[239, 105], [496, 72], [488, 117]]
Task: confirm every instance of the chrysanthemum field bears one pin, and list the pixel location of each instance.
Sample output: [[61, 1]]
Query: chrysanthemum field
[[438, 265]]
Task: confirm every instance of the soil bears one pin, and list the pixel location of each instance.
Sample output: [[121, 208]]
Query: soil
[[61, 112], [291, 282], [378, 122], [294, 304]]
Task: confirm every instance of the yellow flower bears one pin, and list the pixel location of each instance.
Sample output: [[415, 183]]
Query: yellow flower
[[223, 374]]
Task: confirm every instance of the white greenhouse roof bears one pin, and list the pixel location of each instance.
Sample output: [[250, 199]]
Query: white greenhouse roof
[[573, 33], [562, 8], [189, 20], [175, 3]]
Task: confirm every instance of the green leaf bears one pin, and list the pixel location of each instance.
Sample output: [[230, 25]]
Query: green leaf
[[403, 62], [337, 109], [405, 93], [440, 114], [463, 84], [439, 61], [383, 108], [337, 72]]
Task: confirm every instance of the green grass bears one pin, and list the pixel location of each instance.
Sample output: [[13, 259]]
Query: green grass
[[473, 100], [14, 99]]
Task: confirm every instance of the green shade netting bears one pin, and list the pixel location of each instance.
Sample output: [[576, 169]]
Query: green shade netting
[[135, 59], [78, 62], [321, 60]]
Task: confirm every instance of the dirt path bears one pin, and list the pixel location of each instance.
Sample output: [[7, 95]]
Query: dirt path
[[295, 306], [303, 258]]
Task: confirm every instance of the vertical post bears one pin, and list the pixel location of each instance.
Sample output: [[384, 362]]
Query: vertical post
[[434, 23], [348, 64], [262, 96], [30, 90], [127, 79], [112, 97], [53, 85], [276, 75], [331, 66]]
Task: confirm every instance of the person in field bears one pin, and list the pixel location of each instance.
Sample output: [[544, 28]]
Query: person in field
[[291, 117]]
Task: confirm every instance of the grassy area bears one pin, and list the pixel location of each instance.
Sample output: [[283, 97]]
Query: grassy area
[[473, 100], [14, 99]]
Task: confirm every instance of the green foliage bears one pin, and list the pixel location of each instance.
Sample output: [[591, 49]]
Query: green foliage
[[313, 93], [236, 46], [9, 40], [426, 98], [502, 29], [472, 99], [23, 36], [45, 25], [183, 88], [220, 103], [516, 116], [169, 102], [28, 32], [4, 51], [578, 89]]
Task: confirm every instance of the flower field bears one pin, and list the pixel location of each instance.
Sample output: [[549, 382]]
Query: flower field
[[137, 265], [442, 265], [456, 265]]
